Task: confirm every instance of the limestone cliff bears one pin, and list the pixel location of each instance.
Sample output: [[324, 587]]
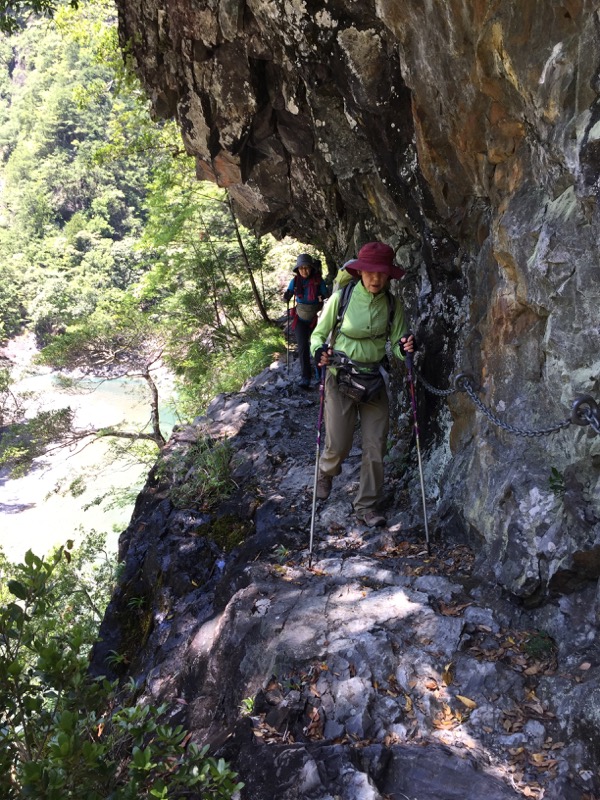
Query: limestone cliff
[[467, 135]]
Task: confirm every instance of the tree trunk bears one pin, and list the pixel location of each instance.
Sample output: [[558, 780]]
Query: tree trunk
[[259, 302], [154, 413]]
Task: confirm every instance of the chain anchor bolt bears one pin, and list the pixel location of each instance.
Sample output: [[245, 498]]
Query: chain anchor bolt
[[585, 411], [462, 381]]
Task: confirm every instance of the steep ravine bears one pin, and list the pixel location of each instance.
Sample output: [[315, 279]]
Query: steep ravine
[[381, 673]]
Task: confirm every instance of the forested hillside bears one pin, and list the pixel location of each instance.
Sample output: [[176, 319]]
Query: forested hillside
[[72, 210], [111, 251]]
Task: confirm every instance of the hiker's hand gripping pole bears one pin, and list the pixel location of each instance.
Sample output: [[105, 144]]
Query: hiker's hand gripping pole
[[413, 402], [323, 370]]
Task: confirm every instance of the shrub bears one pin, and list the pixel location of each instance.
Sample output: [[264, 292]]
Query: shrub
[[65, 735], [199, 476]]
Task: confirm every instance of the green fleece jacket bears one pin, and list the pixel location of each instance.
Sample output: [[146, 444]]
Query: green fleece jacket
[[362, 335]]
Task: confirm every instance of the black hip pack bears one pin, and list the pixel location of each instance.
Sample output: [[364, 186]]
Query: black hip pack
[[360, 382], [357, 385]]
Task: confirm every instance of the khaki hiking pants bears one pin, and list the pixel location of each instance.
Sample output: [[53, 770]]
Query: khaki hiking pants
[[340, 421]]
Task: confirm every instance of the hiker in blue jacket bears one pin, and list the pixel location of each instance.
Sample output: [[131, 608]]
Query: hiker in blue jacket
[[308, 289]]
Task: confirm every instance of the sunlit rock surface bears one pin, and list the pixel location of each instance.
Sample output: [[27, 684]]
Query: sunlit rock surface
[[381, 672]]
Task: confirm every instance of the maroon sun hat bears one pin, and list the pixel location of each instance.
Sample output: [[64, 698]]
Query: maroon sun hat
[[375, 257]]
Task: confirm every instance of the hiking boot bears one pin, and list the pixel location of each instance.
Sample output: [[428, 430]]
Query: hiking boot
[[324, 486], [372, 519]]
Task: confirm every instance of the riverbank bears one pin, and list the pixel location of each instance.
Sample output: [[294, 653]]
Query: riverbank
[[38, 510]]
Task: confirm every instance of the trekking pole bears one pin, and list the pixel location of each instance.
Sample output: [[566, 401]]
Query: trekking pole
[[314, 502], [287, 355], [411, 383]]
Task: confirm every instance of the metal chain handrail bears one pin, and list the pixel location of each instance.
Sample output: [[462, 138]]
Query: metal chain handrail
[[433, 389], [584, 409]]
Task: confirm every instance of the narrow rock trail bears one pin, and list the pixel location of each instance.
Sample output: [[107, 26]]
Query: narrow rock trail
[[383, 672]]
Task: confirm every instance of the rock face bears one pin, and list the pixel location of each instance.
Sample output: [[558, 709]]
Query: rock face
[[382, 671], [467, 135]]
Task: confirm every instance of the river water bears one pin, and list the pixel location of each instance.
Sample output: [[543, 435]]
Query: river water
[[32, 514]]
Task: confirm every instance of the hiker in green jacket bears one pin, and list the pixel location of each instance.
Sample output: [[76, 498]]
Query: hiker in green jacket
[[353, 348]]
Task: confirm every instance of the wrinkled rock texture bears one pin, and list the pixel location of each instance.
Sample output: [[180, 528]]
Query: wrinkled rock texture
[[466, 133], [380, 673]]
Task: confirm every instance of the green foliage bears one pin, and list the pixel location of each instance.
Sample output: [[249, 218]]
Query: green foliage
[[12, 311], [556, 482], [81, 579], [247, 706], [69, 219], [117, 339], [13, 12], [228, 531], [25, 440], [199, 475], [65, 735], [281, 553], [203, 376], [111, 249], [539, 645], [208, 279]]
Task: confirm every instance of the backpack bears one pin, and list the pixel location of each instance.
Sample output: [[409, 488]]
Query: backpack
[[342, 278]]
